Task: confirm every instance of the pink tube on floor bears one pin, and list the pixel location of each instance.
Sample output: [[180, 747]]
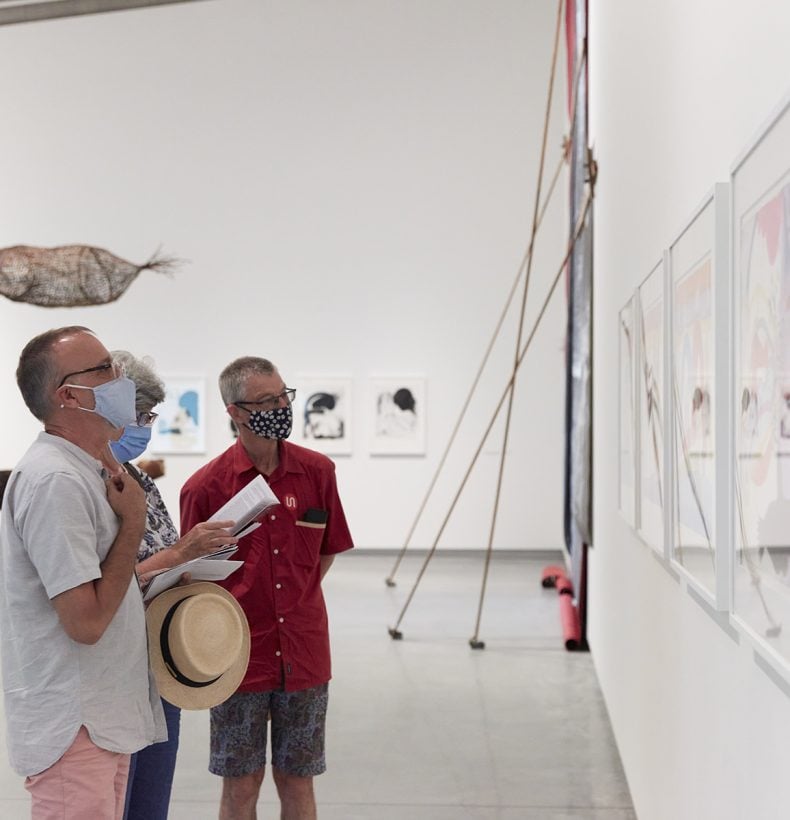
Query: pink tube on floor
[[551, 574], [569, 618]]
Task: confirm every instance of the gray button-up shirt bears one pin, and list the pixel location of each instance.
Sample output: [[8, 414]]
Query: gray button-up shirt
[[56, 527]]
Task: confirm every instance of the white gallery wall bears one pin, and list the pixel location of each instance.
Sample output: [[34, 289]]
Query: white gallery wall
[[351, 185], [678, 89]]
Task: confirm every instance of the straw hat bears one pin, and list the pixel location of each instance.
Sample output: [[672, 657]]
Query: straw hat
[[198, 644]]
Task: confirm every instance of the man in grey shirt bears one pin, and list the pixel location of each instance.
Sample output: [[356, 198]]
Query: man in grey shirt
[[78, 694]]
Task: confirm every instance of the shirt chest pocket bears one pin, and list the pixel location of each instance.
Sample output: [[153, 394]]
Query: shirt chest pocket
[[307, 543]]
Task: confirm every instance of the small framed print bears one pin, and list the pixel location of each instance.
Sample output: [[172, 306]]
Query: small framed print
[[181, 426], [396, 410], [323, 414]]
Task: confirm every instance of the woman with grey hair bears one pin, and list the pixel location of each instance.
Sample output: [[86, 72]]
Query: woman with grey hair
[[151, 769], [161, 547]]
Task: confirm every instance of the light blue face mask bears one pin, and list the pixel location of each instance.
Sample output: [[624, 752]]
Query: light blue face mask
[[131, 444], [114, 400]]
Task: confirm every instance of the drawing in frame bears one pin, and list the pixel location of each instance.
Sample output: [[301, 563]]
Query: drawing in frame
[[627, 413], [396, 412], [323, 413], [650, 404], [760, 190], [181, 426], [701, 454]]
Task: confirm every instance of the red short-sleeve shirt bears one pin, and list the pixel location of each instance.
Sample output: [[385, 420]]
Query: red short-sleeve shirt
[[279, 585]]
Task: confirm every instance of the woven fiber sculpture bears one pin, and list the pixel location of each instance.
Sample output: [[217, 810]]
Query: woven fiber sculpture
[[71, 275]]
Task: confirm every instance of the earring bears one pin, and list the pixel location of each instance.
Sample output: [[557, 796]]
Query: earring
[[62, 406]]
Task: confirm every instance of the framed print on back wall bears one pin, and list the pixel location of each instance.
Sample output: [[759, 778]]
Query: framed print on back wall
[[181, 425], [396, 415], [323, 413]]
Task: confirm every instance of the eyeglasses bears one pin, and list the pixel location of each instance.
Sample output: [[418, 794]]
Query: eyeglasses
[[146, 419], [270, 402], [115, 367]]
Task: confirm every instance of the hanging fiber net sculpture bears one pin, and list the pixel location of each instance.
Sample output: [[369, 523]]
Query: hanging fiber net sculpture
[[70, 275]]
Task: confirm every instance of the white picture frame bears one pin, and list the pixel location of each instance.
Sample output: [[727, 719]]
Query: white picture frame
[[760, 213], [323, 413], [627, 417], [180, 428], [701, 451], [650, 386], [396, 411]]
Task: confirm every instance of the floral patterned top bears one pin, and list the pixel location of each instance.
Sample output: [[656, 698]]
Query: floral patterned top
[[160, 533]]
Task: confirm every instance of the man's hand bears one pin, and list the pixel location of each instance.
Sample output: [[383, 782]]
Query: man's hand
[[85, 611], [209, 536], [127, 499]]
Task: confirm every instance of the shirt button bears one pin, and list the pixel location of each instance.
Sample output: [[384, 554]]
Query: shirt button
[[278, 653], [281, 620], [273, 517], [278, 586], [276, 552]]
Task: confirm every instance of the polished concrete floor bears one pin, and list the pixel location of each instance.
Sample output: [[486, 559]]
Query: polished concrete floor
[[428, 729]]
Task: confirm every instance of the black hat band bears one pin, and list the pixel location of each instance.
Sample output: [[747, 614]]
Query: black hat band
[[167, 657]]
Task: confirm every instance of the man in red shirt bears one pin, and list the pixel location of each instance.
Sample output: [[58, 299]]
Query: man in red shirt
[[279, 588]]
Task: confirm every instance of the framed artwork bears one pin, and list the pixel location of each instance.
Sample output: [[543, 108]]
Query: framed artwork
[[650, 387], [323, 414], [396, 408], [627, 413], [699, 265], [760, 190], [181, 425]]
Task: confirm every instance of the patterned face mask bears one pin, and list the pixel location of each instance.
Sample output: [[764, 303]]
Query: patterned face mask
[[274, 424]]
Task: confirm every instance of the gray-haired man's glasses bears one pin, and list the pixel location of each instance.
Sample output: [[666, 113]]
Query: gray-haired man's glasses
[[270, 402]]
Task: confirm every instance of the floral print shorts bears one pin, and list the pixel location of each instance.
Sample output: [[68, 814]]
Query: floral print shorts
[[238, 732]]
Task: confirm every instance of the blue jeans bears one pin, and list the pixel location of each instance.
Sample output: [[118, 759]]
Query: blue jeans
[[151, 773]]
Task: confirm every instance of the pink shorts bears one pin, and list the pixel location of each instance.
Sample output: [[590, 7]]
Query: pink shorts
[[86, 782]]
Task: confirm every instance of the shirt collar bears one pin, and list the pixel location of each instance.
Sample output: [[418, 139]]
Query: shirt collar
[[75, 450], [287, 463], [241, 461]]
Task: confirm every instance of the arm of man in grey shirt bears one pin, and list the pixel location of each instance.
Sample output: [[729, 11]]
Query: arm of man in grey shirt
[[86, 610]]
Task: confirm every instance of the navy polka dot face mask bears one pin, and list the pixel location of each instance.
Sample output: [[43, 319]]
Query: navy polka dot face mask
[[274, 424]]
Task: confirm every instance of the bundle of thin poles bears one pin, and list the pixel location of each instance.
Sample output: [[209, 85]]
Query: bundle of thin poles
[[521, 348]]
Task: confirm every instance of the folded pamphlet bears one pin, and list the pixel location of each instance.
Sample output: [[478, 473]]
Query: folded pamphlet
[[246, 506], [243, 509], [199, 568]]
